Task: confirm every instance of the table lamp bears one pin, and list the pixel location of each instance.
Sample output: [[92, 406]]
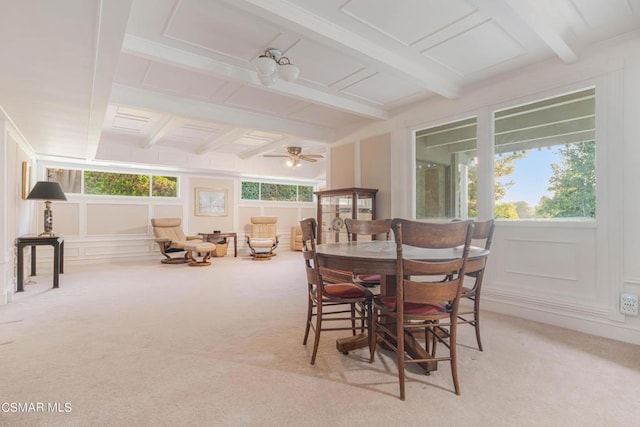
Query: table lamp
[[47, 191]]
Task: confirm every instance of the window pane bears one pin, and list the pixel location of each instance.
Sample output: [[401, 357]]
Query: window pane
[[280, 192], [545, 158], [250, 190], [446, 177], [305, 193], [69, 179], [164, 186], [116, 184]]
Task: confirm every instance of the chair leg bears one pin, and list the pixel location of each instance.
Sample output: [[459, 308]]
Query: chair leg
[[353, 319], [476, 322], [308, 326], [316, 338], [364, 322], [373, 335], [400, 355], [369, 307], [454, 357], [434, 338]]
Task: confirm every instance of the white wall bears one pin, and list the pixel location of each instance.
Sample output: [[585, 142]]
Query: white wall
[[100, 229], [565, 273], [17, 215]]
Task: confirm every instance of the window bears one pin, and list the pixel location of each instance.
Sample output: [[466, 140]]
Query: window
[[446, 176], [276, 192], [545, 158], [69, 179], [114, 183]]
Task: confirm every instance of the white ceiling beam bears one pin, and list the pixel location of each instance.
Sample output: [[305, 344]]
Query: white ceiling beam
[[169, 124], [542, 25], [152, 50], [194, 109], [419, 71], [225, 138], [111, 26]]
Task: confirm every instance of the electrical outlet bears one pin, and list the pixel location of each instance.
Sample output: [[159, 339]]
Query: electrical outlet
[[629, 304]]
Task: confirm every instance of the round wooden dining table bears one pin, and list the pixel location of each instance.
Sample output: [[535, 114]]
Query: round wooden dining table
[[379, 257]]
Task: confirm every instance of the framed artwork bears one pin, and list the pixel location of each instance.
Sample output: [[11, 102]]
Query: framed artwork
[[26, 179], [210, 202]]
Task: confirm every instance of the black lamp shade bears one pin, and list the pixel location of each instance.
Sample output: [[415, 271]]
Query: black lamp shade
[[45, 190]]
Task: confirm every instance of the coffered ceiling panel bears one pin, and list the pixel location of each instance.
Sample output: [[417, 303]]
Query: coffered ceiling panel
[[409, 24], [325, 116], [131, 70], [157, 80], [221, 29], [476, 49], [183, 82], [322, 65], [261, 100], [597, 14], [382, 88]]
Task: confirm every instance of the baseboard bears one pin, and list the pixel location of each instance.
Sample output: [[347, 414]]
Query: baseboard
[[563, 315]]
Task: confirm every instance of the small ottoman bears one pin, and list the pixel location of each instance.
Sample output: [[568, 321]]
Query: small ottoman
[[203, 248]]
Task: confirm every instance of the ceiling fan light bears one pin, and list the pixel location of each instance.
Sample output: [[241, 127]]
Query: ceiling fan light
[[289, 72], [267, 79], [290, 162], [265, 65]]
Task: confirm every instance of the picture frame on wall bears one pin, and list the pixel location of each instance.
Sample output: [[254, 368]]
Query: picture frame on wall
[[210, 202], [26, 179]]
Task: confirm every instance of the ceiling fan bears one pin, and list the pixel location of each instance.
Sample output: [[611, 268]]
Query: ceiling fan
[[295, 155]]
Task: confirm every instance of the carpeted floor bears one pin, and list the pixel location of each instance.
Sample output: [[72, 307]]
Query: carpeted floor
[[171, 345]]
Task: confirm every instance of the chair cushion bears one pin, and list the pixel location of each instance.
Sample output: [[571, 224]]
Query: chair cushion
[[200, 246], [343, 290], [169, 228], [180, 244], [368, 278], [257, 242], [412, 308]]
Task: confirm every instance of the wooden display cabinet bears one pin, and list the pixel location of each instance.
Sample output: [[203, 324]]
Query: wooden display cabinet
[[334, 206]]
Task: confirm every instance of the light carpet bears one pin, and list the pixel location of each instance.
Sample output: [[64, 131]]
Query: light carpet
[[170, 345]]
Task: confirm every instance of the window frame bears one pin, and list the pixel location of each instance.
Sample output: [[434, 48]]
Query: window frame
[[82, 193], [486, 150], [276, 182]]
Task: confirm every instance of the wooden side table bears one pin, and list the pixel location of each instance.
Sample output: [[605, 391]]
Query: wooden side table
[[58, 256], [212, 237]]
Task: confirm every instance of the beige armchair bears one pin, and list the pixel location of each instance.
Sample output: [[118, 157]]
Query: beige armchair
[[171, 239], [296, 238], [263, 238]]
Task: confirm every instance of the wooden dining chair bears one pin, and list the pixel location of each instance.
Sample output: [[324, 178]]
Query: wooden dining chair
[[482, 236], [345, 305], [374, 229], [422, 286]]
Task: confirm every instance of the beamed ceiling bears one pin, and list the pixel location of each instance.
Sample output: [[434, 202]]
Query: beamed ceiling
[[154, 81]]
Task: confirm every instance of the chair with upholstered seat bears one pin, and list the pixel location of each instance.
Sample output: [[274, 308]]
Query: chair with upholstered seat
[[346, 305], [482, 236], [172, 240], [375, 229], [263, 237], [296, 238], [422, 286]]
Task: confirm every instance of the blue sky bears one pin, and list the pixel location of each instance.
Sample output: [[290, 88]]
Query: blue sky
[[531, 176]]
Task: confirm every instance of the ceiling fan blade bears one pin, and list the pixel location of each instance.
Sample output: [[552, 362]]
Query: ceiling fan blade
[[315, 156], [307, 158], [275, 155]]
